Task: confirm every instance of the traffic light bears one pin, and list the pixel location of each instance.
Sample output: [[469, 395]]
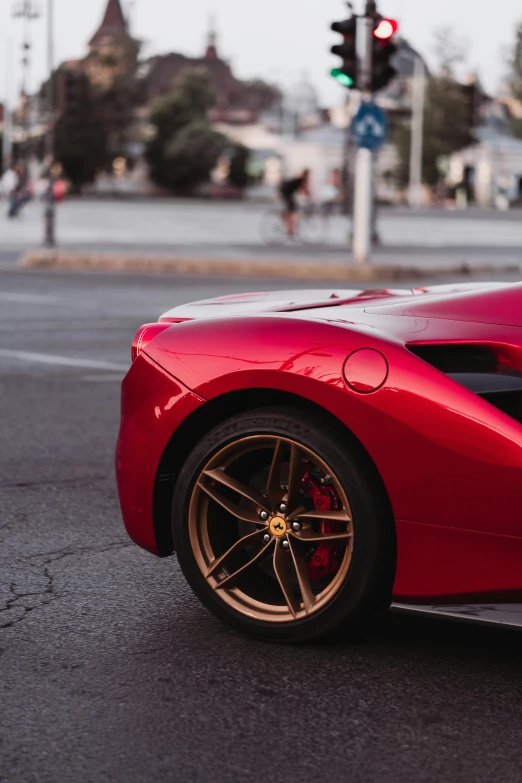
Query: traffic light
[[346, 73], [384, 48]]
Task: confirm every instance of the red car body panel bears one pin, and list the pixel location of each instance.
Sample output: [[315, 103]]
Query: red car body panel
[[153, 405], [451, 461]]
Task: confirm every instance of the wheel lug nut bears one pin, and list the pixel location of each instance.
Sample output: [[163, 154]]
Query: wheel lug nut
[[282, 508], [296, 526], [264, 515], [267, 537], [285, 545]]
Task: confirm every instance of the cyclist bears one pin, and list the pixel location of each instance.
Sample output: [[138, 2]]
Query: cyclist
[[288, 191]]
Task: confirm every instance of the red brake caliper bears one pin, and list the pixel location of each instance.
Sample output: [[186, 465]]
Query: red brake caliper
[[324, 561]]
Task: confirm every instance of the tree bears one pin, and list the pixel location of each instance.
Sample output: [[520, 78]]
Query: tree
[[190, 156], [81, 148], [447, 117], [515, 67], [449, 50], [184, 148], [80, 136]]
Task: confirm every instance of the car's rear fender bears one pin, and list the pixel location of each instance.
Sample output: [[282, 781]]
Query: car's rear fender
[[153, 405], [446, 457]]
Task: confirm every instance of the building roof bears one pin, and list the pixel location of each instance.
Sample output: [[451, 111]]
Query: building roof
[[113, 23], [163, 69]]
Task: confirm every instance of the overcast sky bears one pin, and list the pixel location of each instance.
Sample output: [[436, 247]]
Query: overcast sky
[[273, 39]]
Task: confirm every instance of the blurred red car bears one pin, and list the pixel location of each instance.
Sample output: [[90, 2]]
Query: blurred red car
[[313, 456]]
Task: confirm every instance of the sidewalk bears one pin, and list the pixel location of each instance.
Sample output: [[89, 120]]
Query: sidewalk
[[221, 238], [244, 262]]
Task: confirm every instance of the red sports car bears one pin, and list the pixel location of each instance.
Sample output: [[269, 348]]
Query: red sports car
[[312, 456]]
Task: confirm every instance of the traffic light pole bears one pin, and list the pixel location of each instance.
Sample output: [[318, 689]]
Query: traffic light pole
[[50, 207], [363, 197]]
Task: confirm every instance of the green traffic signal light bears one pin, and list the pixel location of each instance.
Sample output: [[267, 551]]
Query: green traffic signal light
[[341, 77]]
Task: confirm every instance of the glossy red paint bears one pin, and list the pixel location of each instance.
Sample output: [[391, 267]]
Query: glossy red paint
[[144, 335], [153, 405], [450, 461], [365, 370]]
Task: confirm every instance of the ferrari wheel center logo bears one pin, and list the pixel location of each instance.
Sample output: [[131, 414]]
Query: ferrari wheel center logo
[[278, 526]]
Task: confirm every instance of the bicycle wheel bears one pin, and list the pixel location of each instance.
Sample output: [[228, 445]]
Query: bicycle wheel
[[273, 231], [312, 228]]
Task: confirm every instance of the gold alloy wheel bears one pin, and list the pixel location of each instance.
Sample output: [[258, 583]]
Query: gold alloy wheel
[[253, 529]]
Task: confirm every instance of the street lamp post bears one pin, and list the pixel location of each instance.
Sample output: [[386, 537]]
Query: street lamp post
[[29, 11], [50, 206]]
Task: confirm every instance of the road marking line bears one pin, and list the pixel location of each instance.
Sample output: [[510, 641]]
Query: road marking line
[[20, 298], [63, 361]]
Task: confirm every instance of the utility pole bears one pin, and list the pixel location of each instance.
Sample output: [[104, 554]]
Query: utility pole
[[28, 10], [417, 132], [363, 198], [50, 206], [7, 145]]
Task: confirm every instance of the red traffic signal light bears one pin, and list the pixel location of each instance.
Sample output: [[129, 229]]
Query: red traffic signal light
[[385, 29]]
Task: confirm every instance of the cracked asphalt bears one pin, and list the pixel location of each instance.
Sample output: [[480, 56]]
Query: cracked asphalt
[[111, 671]]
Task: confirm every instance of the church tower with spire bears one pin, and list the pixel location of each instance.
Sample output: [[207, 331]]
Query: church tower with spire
[[211, 50], [113, 53]]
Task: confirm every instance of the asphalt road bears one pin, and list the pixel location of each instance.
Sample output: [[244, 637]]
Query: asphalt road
[[111, 671]]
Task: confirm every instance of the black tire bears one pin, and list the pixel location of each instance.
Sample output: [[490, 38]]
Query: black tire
[[367, 587]]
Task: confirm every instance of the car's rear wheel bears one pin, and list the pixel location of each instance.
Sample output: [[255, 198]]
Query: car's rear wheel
[[279, 528]]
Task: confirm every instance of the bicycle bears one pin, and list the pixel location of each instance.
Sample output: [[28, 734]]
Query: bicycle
[[312, 226]]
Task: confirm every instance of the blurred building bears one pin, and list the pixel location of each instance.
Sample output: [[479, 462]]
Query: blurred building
[[306, 136], [237, 102], [489, 173], [125, 86]]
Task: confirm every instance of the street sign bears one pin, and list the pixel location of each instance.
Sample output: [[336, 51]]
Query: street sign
[[370, 126]]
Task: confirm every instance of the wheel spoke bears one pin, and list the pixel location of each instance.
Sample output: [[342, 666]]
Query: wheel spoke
[[301, 569], [245, 514], [295, 477], [237, 547], [221, 477], [308, 534], [273, 487], [229, 580], [333, 515], [284, 577]]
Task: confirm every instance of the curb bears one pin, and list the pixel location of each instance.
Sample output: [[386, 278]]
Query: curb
[[255, 267]]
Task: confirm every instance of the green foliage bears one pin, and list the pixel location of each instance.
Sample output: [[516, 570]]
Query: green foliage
[[184, 148], [81, 147], [190, 156], [80, 143]]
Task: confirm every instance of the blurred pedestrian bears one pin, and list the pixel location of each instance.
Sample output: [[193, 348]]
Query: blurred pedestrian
[[288, 190], [22, 192], [9, 183]]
